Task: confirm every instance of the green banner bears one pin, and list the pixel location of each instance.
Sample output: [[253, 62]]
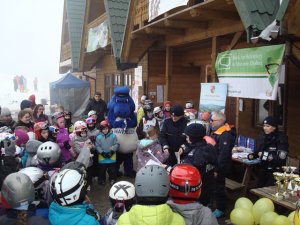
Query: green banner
[[251, 72]]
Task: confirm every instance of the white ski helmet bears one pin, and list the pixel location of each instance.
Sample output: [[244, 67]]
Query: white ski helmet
[[157, 109], [17, 190], [152, 181], [69, 187], [36, 175], [122, 190], [92, 112], [48, 153]]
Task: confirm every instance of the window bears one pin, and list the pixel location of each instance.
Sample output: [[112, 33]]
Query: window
[[115, 80]]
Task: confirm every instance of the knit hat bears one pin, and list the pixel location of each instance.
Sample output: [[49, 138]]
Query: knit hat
[[25, 104], [271, 120], [177, 110], [5, 111], [32, 146], [21, 137], [167, 103], [195, 130]]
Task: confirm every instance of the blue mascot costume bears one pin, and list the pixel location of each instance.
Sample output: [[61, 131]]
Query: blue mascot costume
[[123, 121]]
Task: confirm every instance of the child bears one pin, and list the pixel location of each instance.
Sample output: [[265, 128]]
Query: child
[[122, 198], [107, 145], [185, 189], [152, 189], [152, 144], [167, 109], [146, 122], [62, 138], [190, 110], [69, 124], [93, 114], [41, 130], [92, 133], [69, 190], [16, 196], [159, 115], [79, 140]]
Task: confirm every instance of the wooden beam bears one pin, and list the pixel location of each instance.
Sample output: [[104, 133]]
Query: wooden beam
[[235, 39], [214, 14], [164, 31], [214, 53], [215, 29], [169, 70], [184, 23]]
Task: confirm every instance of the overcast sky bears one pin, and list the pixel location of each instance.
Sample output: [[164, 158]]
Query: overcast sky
[[30, 37]]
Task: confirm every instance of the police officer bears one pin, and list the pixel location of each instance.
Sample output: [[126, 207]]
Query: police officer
[[272, 150]]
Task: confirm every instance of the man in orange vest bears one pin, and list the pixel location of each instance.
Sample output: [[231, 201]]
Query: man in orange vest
[[224, 136]]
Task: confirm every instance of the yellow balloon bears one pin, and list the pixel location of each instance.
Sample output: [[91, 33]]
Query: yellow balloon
[[281, 220], [243, 203], [291, 216], [260, 207], [240, 216], [268, 218]]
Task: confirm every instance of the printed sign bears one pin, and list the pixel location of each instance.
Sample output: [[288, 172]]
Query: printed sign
[[158, 7], [251, 72], [212, 97]]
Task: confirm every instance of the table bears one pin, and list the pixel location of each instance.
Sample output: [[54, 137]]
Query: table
[[268, 192], [247, 175]]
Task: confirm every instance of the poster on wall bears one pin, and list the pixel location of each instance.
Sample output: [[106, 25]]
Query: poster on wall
[[251, 72], [158, 7], [213, 97], [138, 72], [98, 37]]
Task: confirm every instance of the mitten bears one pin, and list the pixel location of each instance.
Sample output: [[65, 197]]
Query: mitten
[[9, 147], [67, 145]]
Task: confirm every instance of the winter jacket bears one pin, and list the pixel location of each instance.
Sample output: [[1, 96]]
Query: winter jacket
[[99, 106], [71, 215], [29, 125], [41, 118], [78, 146], [107, 144], [143, 156], [274, 145], [194, 213], [171, 137], [225, 138], [92, 134], [62, 138], [11, 218], [153, 214], [11, 124]]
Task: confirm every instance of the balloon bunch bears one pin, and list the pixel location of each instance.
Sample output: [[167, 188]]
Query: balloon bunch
[[261, 212]]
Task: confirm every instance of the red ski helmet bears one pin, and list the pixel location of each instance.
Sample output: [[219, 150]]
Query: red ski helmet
[[185, 184]]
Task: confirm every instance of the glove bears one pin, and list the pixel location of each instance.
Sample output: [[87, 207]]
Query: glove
[[103, 154], [109, 154], [9, 147], [93, 139], [67, 145]]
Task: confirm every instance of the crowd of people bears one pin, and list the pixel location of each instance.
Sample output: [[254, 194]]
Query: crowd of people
[[183, 157]]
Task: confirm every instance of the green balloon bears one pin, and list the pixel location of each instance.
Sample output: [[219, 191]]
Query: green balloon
[[268, 218], [281, 220], [243, 203], [261, 207], [291, 216], [241, 216]]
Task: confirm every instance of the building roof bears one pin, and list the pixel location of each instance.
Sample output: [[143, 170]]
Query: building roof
[[117, 12], [256, 15], [75, 13]]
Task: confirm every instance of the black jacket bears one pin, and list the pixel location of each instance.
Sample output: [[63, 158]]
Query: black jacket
[[172, 134], [273, 146], [225, 142], [100, 107]]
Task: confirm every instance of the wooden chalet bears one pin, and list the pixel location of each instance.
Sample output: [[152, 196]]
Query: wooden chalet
[[177, 50]]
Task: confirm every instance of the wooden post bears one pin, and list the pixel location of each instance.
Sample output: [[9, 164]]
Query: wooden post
[[214, 52], [169, 70]]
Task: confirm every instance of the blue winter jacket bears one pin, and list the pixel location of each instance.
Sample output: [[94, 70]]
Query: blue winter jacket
[[71, 215]]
